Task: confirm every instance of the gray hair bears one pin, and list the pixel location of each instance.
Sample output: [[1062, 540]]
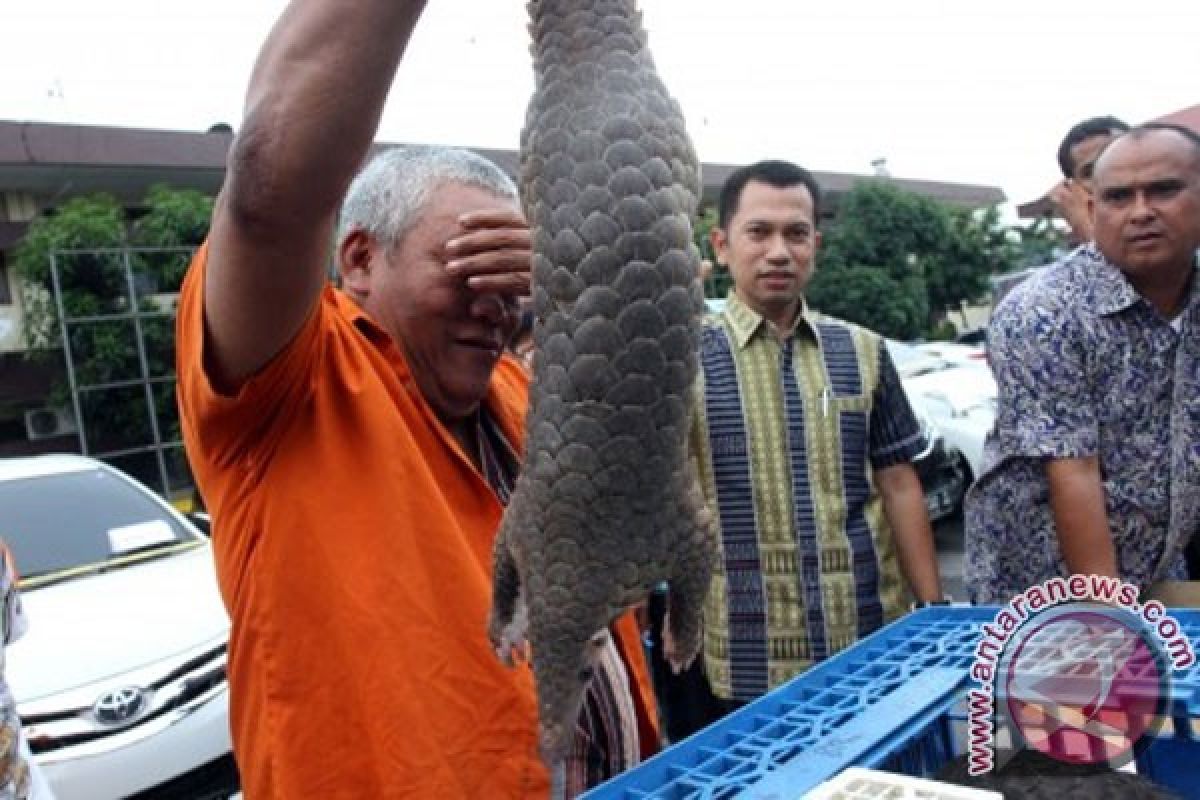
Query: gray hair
[[386, 198]]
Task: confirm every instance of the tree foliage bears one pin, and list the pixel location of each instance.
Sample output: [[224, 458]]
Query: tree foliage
[[897, 262], [720, 280], [872, 298], [83, 223], [97, 255], [882, 226], [175, 219], [1039, 242], [978, 247]]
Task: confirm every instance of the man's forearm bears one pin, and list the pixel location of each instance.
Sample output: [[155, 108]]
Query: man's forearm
[[1080, 517], [314, 103], [904, 506]]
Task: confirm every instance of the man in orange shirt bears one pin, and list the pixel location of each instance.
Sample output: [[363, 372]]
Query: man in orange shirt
[[356, 447]]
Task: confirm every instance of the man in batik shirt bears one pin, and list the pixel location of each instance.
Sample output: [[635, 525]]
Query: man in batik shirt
[[804, 441], [1094, 463]]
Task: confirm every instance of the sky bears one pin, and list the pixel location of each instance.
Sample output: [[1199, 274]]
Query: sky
[[970, 91]]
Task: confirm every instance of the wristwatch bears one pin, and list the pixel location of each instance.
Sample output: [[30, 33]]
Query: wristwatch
[[919, 604]]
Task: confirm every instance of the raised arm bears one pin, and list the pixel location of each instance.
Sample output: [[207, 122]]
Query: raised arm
[[312, 109]]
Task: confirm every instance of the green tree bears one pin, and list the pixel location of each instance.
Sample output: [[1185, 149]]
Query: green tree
[[873, 259], [978, 246], [1039, 242], [82, 223], [883, 226], [103, 276], [932, 258], [720, 280], [177, 219], [871, 297]]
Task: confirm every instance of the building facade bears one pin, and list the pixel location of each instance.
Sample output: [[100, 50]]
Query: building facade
[[43, 165]]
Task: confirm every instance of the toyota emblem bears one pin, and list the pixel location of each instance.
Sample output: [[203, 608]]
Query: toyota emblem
[[120, 705]]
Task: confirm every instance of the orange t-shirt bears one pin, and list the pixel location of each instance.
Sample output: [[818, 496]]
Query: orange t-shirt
[[353, 542]]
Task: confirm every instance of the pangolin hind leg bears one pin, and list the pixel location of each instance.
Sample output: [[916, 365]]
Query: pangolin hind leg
[[509, 620], [689, 580]]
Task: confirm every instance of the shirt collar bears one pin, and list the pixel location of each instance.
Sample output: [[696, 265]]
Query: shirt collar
[[352, 311], [746, 322], [1111, 291]]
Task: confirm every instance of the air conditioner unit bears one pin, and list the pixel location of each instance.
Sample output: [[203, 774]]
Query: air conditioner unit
[[45, 423]]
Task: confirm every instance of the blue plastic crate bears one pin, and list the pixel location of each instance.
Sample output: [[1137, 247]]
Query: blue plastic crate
[[894, 701]]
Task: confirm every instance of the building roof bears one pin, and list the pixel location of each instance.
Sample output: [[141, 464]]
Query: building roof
[[1187, 117], [52, 161]]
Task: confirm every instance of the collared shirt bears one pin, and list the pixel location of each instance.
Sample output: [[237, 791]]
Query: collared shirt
[[789, 431], [353, 540], [1087, 367]]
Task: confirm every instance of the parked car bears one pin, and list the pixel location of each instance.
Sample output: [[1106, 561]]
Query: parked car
[[977, 337], [940, 468], [955, 353], [954, 387], [961, 402], [911, 361], [120, 681]]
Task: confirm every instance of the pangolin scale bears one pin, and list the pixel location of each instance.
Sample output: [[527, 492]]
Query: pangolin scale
[[607, 504]]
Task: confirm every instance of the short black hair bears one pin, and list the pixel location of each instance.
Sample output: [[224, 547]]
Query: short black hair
[[1095, 126], [780, 174]]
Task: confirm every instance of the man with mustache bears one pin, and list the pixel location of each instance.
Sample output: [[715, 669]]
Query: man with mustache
[[804, 439], [1092, 466]]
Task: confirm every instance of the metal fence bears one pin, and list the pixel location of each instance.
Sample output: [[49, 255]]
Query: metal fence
[[116, 312]]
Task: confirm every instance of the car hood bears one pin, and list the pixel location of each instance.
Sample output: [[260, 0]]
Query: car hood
[[89, 629], [962, 387]]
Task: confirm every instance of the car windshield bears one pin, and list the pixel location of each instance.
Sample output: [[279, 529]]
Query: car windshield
[[911, 361], [57, 522]]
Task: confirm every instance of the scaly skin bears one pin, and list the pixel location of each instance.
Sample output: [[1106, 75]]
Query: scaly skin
[[607, 504]]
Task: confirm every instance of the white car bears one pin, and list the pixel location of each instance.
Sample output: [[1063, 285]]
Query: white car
[[911, 361], [961, 402], [955, 354], [120, 681]]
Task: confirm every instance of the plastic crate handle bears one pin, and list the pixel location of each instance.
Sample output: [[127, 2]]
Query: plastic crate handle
[[927, 693]]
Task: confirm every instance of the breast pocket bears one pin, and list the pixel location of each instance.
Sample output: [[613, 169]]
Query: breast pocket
[[830, 404], [858, 403], [841, 428]]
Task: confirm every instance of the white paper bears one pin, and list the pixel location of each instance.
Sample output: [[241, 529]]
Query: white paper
[[140, 534]]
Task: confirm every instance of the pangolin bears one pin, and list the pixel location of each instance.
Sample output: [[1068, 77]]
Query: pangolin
[[607, 504]]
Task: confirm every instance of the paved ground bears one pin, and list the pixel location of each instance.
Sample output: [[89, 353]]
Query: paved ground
[[948, 538]]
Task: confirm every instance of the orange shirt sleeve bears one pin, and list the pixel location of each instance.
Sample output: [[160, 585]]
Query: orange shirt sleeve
[[223, 426]]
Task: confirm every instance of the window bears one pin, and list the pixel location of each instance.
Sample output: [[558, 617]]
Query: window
[[65, 520]]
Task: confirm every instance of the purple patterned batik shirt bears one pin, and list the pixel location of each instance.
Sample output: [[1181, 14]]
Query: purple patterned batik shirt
[[1087, 367]]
